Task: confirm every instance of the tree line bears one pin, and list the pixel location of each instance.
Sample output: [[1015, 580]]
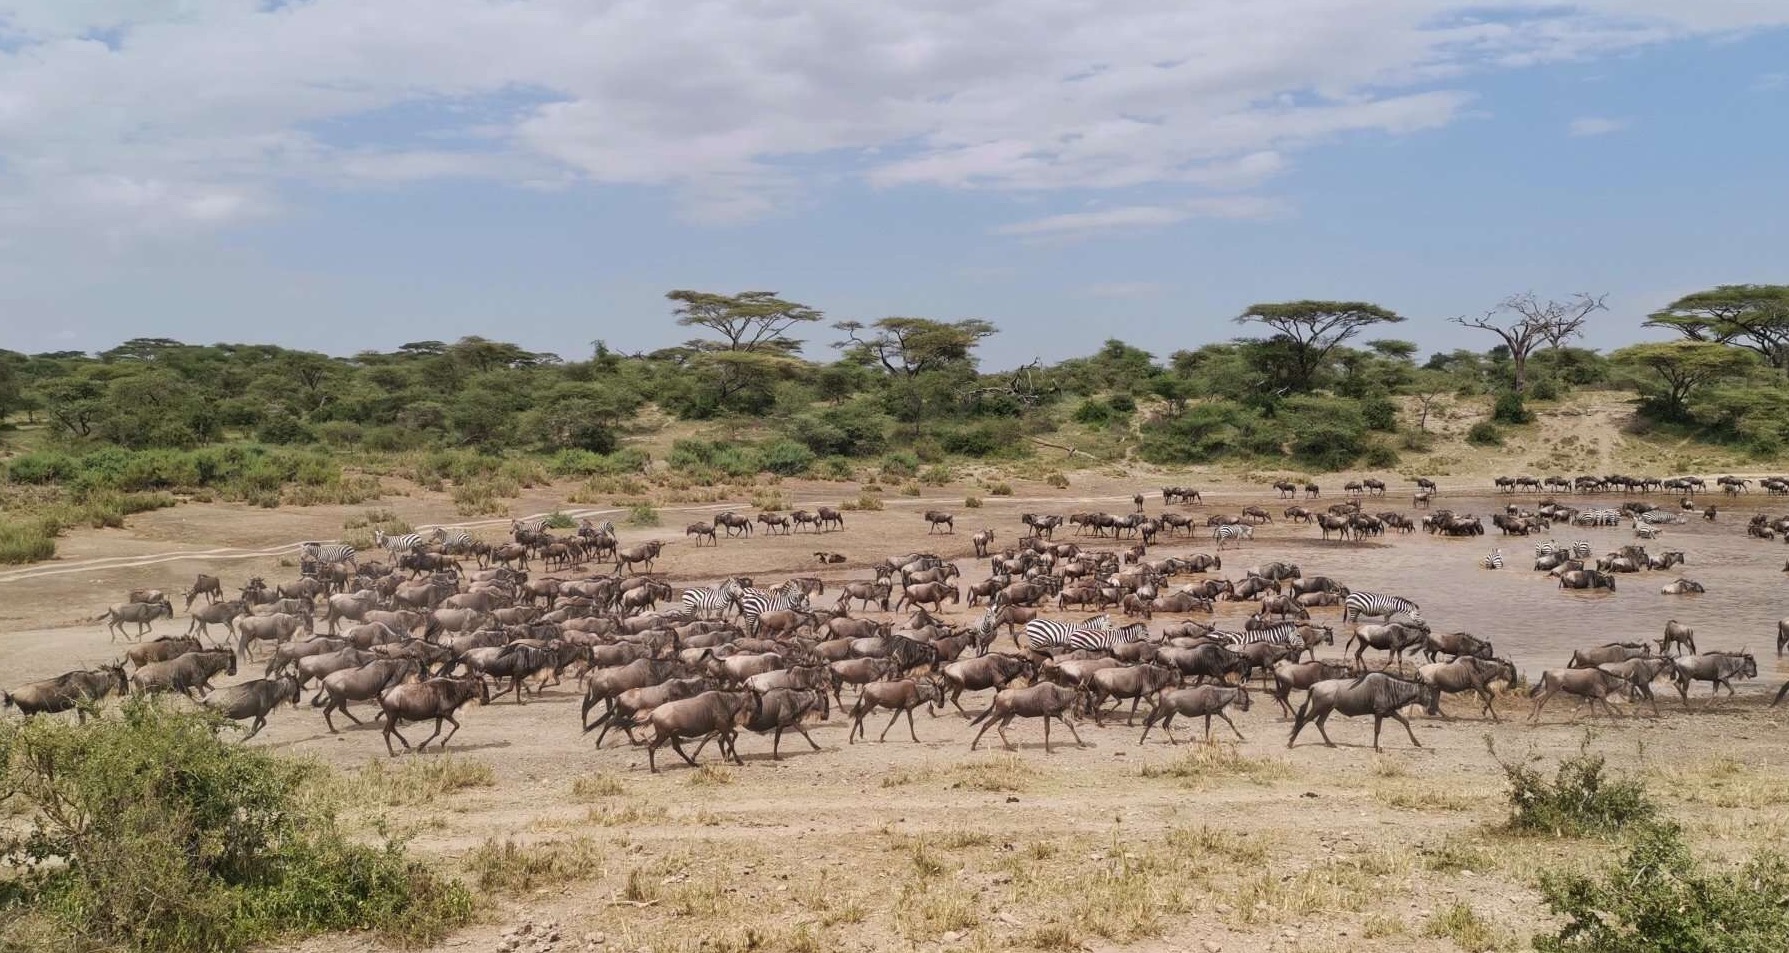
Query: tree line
[[1318, 382]]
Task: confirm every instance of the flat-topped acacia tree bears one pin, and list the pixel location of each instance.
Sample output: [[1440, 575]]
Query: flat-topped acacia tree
[[1311, 330]]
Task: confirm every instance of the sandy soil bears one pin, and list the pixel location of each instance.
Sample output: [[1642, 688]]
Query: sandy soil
[[1236, 846]]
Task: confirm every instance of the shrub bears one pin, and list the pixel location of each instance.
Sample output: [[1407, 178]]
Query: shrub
[[786, 458], [642, 514], [1484, 434], [1057, 480], [1000, 489], [901, 463], [26, 541], [1379, 414], [1580, 799], [1509, 409], [558, 520], [972, 502], [1122, 404], [1419, 441], [936, 475], [1093, 412], [1657, 896], [1380, 456], [1544, 388], [148, 832], [864, 501]]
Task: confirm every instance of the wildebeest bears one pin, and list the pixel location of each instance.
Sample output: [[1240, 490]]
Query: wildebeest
[[1676, 633], [364, 683], [987, 671], [1586, 579], [185, 674], [280, 627], [1133, 682], [436, 698], [1608, 652], [1392, 637], [142, 613], [254, 699], [1375, 693], [1044, 701], [1679, 587], [1716, 668], [76, 690], [161, 650], [937, 518], [902, 697], [1594, 685], [1467, 673], [1290, 676], [1198, 701], [710, 713]]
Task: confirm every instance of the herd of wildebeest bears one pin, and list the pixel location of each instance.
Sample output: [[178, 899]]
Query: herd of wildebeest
[[443, 620]]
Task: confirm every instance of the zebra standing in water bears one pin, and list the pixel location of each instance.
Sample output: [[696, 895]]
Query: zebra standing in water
[[1045, 635], [756, 602], [711, 603], [399, 545], [1550, 548], [1375, 604], [1599, 518], [1232, 531], [1581, 549], [1493, 561], [326, 553]]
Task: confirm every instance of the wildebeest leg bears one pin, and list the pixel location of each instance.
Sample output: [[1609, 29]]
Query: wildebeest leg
[[856, 725], [776, 740], [1407, 729], [1539, 703], [652, 754], [1227, 721], [983, 731], [260, 723], [730, 747], [1000, 730], [391, 729], [804, 733], [1047, 734], [1325, 732], [439, 721], [1130, 720], [910, 730], [677, 746], [1780, 693], [1071, 730]]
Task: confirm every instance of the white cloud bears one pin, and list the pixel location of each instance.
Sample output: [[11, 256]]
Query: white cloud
[[212, 107], [1133, 217], [1596, 126], [1770, 82]]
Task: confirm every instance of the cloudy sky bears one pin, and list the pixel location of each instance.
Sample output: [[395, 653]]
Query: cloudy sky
[[351, 174]]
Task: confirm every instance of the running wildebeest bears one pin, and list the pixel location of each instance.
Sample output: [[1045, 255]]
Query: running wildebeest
[[254, 699], [1198, 701], [1375, 693], [1044, 701], [436, 698], [76, 690]]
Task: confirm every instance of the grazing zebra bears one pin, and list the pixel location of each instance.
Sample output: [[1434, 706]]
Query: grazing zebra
[[1374, 604], [711, 603], [326, 552], [1044, 635], [1493, 561], [756, 602], [457, 539], [1232, 531], [397, 545], [1102, 640]]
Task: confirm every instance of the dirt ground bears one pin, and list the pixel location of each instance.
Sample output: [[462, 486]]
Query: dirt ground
[[1234, 846]]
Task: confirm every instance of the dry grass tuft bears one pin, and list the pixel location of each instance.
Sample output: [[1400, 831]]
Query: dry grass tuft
[[1204, 765], [416, 782], [591, 787], [710, 775], [1413, 798], [1343, 885], [1724, 782], [1461, 924], [622, 815], [509, 867], [1000, 773]]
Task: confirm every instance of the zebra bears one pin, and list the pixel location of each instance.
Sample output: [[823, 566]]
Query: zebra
[[700, 603], [1551, 547], [1493, 561], [1599, 518], [521, 530], [452, 540], [1283, 633], [1232, 531], [326, 553], [756, 602], [1375, 604], [1581, 549], [1043, 635], [399, 544], [588, 531], [1102, 640], [1657, 517]]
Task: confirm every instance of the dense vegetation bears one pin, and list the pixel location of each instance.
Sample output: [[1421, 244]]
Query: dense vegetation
[[144, 831], [1310, 385]]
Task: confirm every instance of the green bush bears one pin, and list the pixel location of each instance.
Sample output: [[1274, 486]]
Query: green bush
[[1509, 409], [1544, 388], [147, 832], [1093, 412], [901, 463], [1484, 434], [786, 458], [1380, 456], [972, 502], [558, 520], [1578, 801], [41, 468], [1379, 414], [1122, 404], [642, 514], [1000, 489], [1658, 897], [27, 541]]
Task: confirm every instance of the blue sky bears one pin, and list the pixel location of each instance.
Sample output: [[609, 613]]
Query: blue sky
[[349, 175]]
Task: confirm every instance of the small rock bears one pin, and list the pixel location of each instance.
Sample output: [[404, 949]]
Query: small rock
[[954, 936], [1213, 946], [1012, 800], [1005, 917]]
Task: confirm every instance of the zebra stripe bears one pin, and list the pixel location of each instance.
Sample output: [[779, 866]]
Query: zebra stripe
[[1283, 633], [1045, 634], [1581, 549], [1102, 640], [1375, 604], [326, 552], [452, 539], [1232, 531], [1493, 561], [405, 543], [521, 528], [1549, 548], [1599, 518], [712, 602], [756, 602]]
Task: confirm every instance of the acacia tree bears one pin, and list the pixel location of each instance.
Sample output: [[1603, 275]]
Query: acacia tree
[[749, 321], [1525, 322], [909, 347], [1311, 330], [1755, 317], [1682, 367]]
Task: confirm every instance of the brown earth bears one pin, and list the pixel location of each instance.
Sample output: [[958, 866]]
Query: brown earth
[[1235, 846]]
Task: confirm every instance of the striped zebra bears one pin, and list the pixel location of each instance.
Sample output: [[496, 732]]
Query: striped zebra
[[1232, 532], [1657, 517], [1493, 561], [397, 545], [521, 530], [711, 603], [1102, 640], [1599, 518], [1551, 547], [326, 552], [452, 540], [590, 531], [1581, 549], [1045, 635], [1377, 605], [1283, 633], [755, 602]]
